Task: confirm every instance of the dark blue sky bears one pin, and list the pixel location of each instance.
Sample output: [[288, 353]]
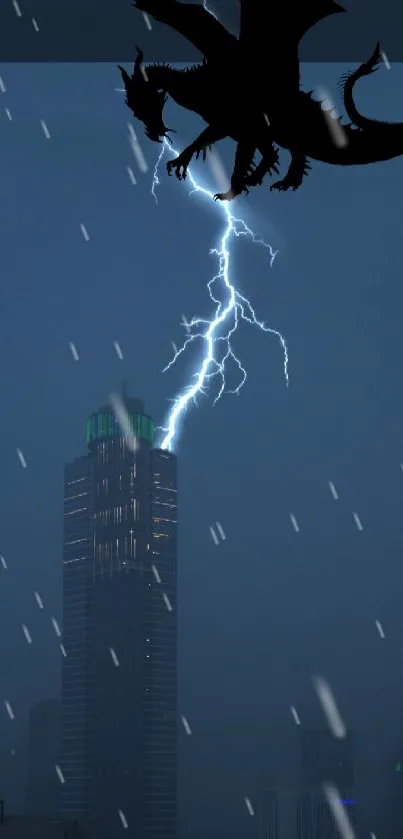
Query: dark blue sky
[[264, 611]]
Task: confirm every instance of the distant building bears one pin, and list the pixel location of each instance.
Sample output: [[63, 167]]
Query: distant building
[[119, 715], [23, 827], [43, 785], [315, 819], [13, 775], [392, 815], [269, 815], [325, 760]]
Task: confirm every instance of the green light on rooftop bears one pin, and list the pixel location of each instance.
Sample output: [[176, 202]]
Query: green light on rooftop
[[103, 425]]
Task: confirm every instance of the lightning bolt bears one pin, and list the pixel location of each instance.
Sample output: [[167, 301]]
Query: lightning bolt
[[216, 333]]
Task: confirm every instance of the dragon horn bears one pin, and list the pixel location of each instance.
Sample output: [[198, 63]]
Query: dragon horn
[[139, 59], [125, 76]]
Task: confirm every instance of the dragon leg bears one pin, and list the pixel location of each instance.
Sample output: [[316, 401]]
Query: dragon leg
[[245, 152], [299, 167], [205, 140], [267, 165]]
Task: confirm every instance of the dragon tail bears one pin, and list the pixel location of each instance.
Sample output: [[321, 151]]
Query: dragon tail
[[347, 83]]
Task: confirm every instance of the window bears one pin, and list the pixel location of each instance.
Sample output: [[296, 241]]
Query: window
[[132, 544]]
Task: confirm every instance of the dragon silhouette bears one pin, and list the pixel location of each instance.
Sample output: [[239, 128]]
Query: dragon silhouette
[[254, 98]]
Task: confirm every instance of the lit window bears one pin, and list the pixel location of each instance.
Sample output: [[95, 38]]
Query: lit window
[[133, 550]]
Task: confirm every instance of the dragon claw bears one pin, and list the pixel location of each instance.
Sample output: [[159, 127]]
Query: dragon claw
[[283, 186], [202, 151], [224, 196], [236, 189], [180, 166]]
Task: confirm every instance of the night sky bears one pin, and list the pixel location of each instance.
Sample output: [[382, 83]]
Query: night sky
[[269, 607]]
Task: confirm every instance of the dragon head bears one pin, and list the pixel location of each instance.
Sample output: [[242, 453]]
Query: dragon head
[[145, 101]]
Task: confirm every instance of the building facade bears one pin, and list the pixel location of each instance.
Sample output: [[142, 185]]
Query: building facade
[[119, 718], [77, 595], [325, 760]]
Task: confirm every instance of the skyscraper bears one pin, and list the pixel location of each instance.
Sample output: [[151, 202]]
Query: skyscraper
[[118, 747], [324, 760]]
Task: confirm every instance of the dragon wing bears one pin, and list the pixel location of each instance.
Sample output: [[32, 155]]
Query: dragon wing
[[280, 23], [270, 33], [195, 23]]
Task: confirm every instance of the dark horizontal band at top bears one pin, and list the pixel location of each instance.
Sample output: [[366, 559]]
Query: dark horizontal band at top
[[108, 30]]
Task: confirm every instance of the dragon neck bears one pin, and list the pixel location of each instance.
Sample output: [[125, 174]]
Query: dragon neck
[[180, 85]]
